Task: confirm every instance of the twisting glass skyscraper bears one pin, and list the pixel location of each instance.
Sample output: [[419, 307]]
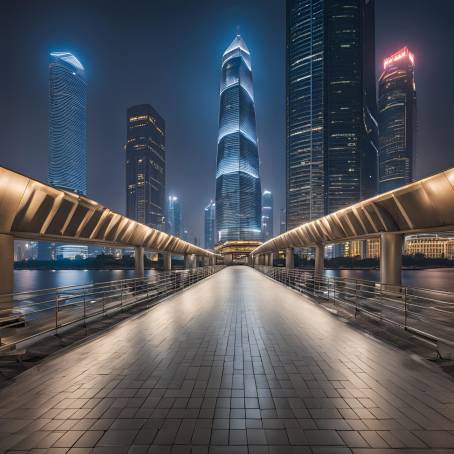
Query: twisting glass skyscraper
[[238, 192], [67, 123]]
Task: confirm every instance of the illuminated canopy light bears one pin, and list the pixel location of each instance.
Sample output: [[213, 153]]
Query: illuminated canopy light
[[402, 53]]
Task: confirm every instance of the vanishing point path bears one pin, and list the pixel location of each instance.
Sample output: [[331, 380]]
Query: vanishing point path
[[235, 364]]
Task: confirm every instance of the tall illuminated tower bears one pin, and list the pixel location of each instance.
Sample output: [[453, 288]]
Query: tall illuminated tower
[[145, 166], [331, 106], [67, 123], [397, 120], [67, 166], [209, 218], [238, 192], [267, 215], [174, 216]]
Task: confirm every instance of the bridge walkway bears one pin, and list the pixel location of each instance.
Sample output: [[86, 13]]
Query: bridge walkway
[[235, 364]]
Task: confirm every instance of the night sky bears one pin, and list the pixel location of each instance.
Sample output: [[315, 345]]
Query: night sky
[[168, 53]]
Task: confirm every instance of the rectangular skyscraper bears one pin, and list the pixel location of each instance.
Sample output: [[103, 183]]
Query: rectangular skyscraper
[[174, 216], [397, 120], [145, 166], [267, 215], [331, 106], [209, 214]]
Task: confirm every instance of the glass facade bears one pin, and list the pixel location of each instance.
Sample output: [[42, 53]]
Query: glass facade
[[331, 105], [67, 167], [209, 225], [174, 216], [397, 121], [67, 123], [145, 166], [267, 215], [238, 192]]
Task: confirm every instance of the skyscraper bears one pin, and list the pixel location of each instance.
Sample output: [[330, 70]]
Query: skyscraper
[[282, 220], [67, 123], [397, 120], [145, 166], [67, 166], [267, 215], [209, 214], [331, 104], [174, 216], [238, 192]]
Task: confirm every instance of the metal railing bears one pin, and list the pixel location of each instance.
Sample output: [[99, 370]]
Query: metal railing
[[26, 317], [425, 312]]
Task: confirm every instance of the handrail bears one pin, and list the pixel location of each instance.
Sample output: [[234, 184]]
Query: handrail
[[27, 316], [409, 308]]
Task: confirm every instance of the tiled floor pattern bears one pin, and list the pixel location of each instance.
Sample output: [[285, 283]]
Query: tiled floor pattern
[[236, 364]]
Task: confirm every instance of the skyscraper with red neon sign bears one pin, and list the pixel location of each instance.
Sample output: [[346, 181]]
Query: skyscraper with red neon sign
[[397, 120]]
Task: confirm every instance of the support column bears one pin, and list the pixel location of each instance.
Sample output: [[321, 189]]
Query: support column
[[167, 256], [271, 258], [319, 259], [138, 259], [289, 258], [187, 261], [195, 261], [6, 269], [391, 258]]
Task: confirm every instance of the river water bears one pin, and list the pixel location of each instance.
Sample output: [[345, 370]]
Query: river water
[[28, 280]]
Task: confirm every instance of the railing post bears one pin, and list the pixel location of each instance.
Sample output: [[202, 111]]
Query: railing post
[[356, 297], [405, 308], [56, 312], [85, 308]]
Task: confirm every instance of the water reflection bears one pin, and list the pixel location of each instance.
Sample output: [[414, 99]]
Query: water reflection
[[28, 280], [438, 279]]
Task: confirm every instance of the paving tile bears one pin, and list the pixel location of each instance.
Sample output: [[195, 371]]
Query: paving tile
[[235, 365]]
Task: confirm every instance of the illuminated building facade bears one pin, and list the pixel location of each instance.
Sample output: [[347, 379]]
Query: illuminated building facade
[[430, 245], [397, 120], [67, 123], [209, 214], [238, 191], [174, 217], [331, 107], [145, 166], [67, 167], [267, 215]]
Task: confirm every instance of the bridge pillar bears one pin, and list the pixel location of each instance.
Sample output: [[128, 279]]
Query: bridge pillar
[[138, 259], [187, 261], [289, 258], [319, 259], [167, 256], [391, 258], [6, 268], [195, 261], [271, 259]]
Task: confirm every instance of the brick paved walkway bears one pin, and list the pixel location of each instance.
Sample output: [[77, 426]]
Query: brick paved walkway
[[237, 364]]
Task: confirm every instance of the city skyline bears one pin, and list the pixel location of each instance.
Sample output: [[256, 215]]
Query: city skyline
[[105, 131]]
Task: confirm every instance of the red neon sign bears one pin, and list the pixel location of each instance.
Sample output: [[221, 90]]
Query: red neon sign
[[403, 53]]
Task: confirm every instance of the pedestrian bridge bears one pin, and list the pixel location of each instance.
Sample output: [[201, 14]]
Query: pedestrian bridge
[[237, 363]]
